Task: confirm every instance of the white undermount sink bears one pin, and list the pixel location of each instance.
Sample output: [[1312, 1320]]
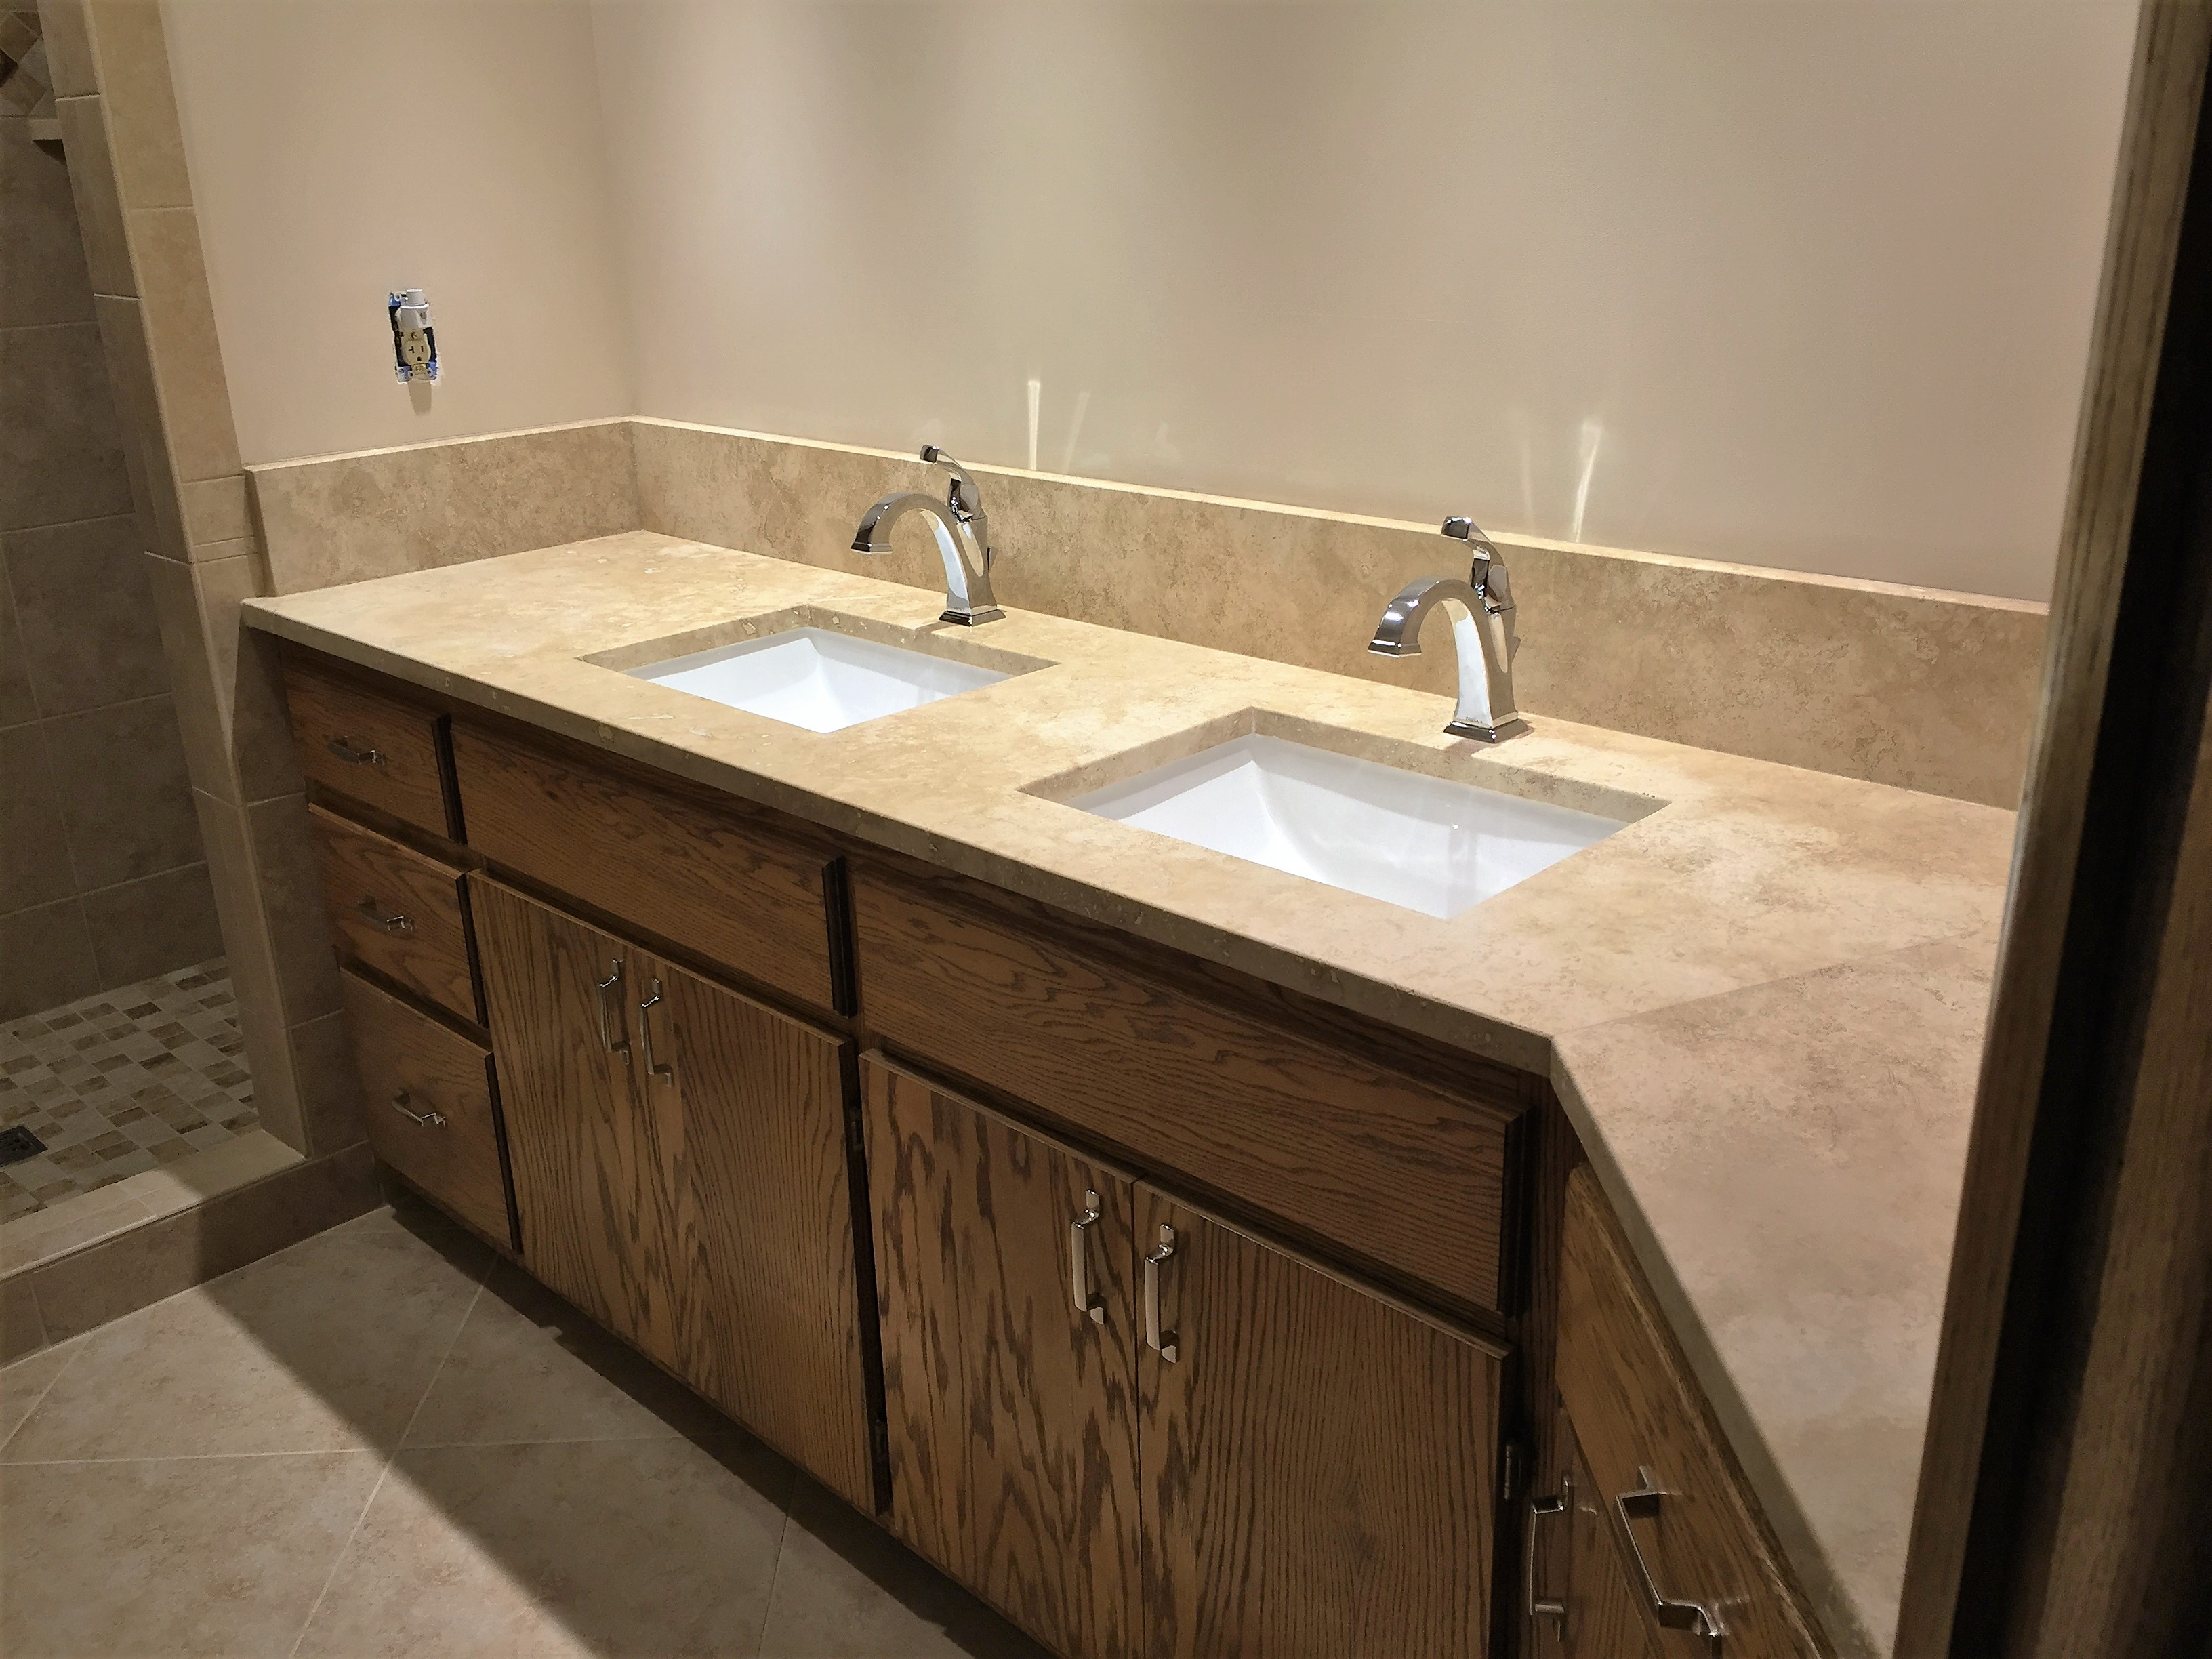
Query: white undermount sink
[[1427, 843], [814, 677]]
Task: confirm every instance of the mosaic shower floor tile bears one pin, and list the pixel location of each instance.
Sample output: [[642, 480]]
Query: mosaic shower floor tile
[[123, 1080]]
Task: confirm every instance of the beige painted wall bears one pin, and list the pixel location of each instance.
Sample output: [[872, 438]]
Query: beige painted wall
[[340, 149], [1801, 284]]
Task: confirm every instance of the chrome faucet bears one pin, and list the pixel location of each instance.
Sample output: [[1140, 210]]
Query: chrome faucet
[[964, 539], [1482, 628]]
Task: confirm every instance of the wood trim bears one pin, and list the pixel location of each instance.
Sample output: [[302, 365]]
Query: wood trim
[[2049, 1126], [737, 882], [1318, 1139], [1636, 1405]]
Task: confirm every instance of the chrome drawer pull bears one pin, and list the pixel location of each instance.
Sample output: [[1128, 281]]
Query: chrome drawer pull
[[663, 1073], [1154, 1336], [1086, 1300], [344, 749], [1539, 1508], [608, 1041], [1692, 1616], [432, 1119], [391, 924]]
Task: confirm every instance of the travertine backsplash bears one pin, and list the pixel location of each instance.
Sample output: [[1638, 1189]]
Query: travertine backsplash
[[1923, 689]]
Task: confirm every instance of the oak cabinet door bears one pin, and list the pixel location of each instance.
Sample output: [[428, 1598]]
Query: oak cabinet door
[[1319, 1474], [1011, 1415], [596, 1162], [1578, 1575], [767, 1301]]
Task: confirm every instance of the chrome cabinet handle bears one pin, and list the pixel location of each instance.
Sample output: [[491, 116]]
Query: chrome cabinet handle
[[1539, 1508], [344, 749], [1164, 1341], [1692, 1616], [664, 1073], [394, 923], [608, 1040], [431, 1120], [1086, 1300]]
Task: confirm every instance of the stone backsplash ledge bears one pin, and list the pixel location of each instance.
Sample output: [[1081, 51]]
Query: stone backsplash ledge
[[1906, 686]]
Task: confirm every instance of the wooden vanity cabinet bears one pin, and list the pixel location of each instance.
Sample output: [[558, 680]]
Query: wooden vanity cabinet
[[1319, 1461], [680, 1174], [1313, 1472], [1263, 1103], [1012, 1410], [1580, 1603], [357, 734], [1689, 1534]]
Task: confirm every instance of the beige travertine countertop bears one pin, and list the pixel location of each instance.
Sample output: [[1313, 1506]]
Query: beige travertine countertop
[[1761, 1003]]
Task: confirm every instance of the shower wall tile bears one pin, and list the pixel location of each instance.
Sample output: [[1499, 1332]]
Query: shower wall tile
[[34, 861], [187, 360], [132, 56], [42, 276], [16, 703], [86, 614], [153, 925], [125, 791], [60, 457], [48, 953], [98, 214]]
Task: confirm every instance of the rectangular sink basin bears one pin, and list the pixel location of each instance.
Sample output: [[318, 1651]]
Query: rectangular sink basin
[[1425, 843], [818, 679]]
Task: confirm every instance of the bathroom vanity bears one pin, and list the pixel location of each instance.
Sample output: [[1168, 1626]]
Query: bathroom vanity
[[1190, 1258]]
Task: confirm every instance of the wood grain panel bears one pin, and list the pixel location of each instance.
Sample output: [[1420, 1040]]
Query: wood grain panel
[[407, 1059], [715, 877], [1319, 1476], [1635, 1407], [1580, 1567], [373, 885], [361, 741], [1988, 1570], [1379, 1166], [767, 1298], [1012, 1415], [595, 1161]]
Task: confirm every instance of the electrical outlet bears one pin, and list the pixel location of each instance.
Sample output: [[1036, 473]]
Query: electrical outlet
[[414, 343]]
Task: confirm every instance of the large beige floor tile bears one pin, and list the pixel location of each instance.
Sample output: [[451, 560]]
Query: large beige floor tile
[[846, 1589], [529, 1367], [330, 1343], [24, 1383], [627, 1547], [179, 1558]]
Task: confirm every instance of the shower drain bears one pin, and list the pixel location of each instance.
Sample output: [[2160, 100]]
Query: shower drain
[[18, 1144]]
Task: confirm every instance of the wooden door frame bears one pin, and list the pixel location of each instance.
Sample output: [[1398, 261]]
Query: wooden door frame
[[2067, 1480]]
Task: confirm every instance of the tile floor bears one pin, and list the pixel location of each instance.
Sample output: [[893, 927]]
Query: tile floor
[[384, 1442], [121, 1082]]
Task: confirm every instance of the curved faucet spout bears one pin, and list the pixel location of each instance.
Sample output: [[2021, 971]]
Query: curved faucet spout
[[1481, 611], [968, 598], [964, 540]]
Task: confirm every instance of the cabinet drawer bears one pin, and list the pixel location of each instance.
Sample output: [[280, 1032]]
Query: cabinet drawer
[[1636, 1408], [397, 911], [714, 876], [1378, 1165], [362, 742], [413, 1068]]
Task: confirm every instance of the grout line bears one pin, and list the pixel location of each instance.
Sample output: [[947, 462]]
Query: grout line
[[391, 1458], [175, 1457], [775, 1578], [338, 1559], [430, 1387], [82, 1342]]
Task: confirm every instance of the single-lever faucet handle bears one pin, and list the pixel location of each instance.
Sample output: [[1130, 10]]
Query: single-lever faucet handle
[[1488, 576], [965, 497]]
